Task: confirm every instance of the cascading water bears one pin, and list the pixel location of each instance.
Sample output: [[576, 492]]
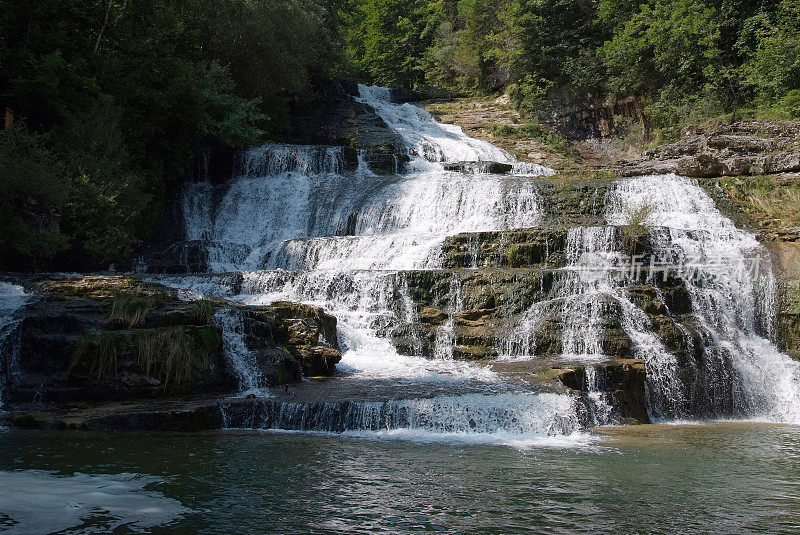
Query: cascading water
[[726, 271], [243, 361], [307, 226], [335, 236], [12, 298]]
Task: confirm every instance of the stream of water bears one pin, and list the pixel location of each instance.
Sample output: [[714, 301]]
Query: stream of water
[[297, 226]]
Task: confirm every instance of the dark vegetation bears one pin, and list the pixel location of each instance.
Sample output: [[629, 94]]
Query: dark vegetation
[[109, 98]]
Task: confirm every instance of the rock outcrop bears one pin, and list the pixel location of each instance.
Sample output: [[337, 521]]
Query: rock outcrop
[[108, 345], [742, 148], [291, 340]]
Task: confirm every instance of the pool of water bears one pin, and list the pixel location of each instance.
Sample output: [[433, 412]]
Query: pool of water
[[720, 478]]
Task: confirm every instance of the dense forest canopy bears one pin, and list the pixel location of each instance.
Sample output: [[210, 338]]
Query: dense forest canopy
[[106, 99]]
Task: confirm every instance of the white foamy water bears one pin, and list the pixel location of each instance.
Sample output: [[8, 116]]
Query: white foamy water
[[519, 419], [726, 271], [12, 297], [37, 502], [306, 227], [429, 141], [584, 293], [336, 238]]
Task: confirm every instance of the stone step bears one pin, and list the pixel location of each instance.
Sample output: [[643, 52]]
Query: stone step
[[344, 404]]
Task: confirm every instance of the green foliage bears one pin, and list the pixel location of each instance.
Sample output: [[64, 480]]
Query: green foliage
[[201, 311], [635, 230], [674, 62], [388, 38], [101, 350], [172, 353], [671, 43], [773, 67], [548, 43], [32, 191], [115, 109], [766, 201], [790, 104]]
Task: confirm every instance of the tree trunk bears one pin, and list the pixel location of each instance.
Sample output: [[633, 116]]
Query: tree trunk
[[103, 27]]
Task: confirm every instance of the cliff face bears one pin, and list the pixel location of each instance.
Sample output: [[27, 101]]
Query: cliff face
[[751, 168]]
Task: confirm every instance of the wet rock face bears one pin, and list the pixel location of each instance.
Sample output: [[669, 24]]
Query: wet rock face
[[622, 379], [480, 310], [292, 340], [543, 246], [96, 339], [494, 168], [575, 202], [103, 338], [337, 119], [743, 148]]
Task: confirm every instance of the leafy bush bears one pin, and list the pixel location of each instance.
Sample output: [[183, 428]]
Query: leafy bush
[[790, 103]]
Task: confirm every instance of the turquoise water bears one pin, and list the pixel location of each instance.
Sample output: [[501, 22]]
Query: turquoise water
[[719, 478]]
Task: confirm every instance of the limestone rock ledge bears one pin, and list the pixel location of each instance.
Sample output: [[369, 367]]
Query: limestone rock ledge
[[742, 148], [91, 340]]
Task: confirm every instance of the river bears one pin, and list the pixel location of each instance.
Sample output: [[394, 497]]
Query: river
[[688, 478]]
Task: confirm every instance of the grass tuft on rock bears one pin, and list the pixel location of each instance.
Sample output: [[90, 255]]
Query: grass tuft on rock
[[769, 201], [635, 230], [101, 350], [131, 309], [169, 354], [201, 311]]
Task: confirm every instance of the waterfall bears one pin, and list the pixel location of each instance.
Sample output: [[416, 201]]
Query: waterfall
[[305, 227], [12, 298], [315, 225], [586, 288], [236, 350], [582, 295], [725, 269], [270, 160], [474, 417], [600, 407], [445, 334]]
